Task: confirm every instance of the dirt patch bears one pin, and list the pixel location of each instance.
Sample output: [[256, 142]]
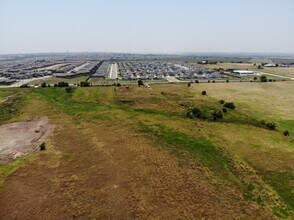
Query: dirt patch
[[20, 138]]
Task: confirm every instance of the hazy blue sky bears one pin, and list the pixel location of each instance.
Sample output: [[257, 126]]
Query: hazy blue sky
[[163, 26]]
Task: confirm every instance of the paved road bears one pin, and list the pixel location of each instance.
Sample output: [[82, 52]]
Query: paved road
[[270, 74], [24, 81], [172, 79], [113, 71]]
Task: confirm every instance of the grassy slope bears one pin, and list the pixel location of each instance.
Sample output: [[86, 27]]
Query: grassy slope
[[229, 149]]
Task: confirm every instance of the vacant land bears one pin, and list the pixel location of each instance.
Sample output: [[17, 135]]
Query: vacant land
[[133, 153]]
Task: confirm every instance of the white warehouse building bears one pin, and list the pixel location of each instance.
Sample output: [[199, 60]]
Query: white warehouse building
[[244, 72]]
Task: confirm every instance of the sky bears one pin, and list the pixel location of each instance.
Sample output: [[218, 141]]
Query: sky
[[147, 26]]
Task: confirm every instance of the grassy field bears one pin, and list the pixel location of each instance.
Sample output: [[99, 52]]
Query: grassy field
[[55, 80], [133, 153]]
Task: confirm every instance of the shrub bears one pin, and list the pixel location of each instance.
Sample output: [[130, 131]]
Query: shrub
[[42, 147], [227, 80], [208, 81], [69, 89], [140, 83], [197, 113], [118, 84], [255, 78], [189, 84], [225, 110], [271, 125], [84, 84], [213, 81], [229, 105], [217, 115], [204, 93], [24, 86], [43, 85], [62, 84], [286, 133], [263, 78], [270, 80], [221, 102], [196, 81], [263, 122]]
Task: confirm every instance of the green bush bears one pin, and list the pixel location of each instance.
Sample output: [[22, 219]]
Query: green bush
[[217, 115], [140, 83], [263, 78], [61, 84], [286, 133], [69, 89], [230, 105], [84, 84], [42, 147], [271, 125], [24, 86]]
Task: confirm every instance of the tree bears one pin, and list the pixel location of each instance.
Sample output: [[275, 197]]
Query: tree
[[263, 78], [229, 105], [42, 147], [189, 84], [140, 83], [217, 115], [271, 125], [286, 133], [84, 84], [69, 90], [62, 84]]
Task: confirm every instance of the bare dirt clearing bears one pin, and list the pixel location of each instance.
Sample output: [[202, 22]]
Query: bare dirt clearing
[[21, 138]]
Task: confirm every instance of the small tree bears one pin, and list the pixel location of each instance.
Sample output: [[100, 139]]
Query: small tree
[[69, 90], [140, 83], [217, 115], [229, 105], [286, 133], [263, 78], [271, 125], [189, 84], [42, 147], [84, 84]]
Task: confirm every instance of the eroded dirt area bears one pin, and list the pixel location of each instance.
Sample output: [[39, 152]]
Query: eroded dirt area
[[20, 138]]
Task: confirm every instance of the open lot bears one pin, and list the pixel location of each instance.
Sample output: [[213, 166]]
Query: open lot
[[133, 153]]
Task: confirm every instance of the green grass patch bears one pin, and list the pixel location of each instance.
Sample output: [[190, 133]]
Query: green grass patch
[[282, 182], [203, 150], [11, 107]]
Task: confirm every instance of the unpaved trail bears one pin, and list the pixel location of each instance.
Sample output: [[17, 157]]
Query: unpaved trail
[[21, 138], [108, 171]]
